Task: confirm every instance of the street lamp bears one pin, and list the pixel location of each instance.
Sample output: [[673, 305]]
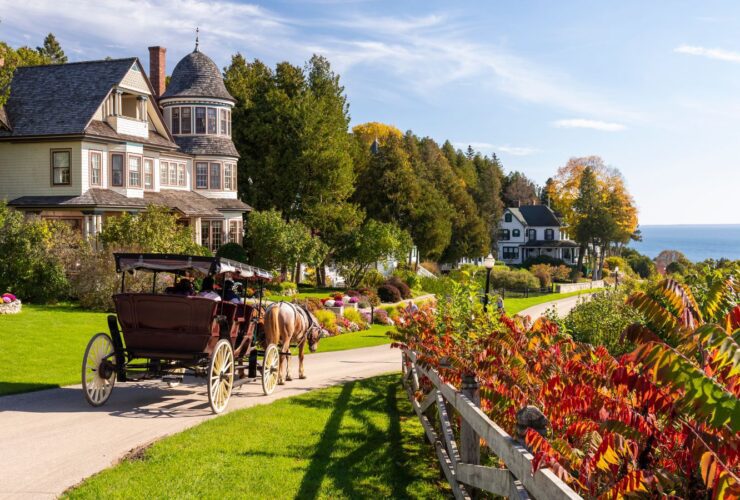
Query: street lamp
[[488, 262]]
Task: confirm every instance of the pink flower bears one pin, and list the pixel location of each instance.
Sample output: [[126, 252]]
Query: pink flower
[[353, 300], [10, 296], [338, 303], [6, 300]]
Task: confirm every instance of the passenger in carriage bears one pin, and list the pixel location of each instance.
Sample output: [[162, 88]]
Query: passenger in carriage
[[229, 294], [184, 286], [206, 289]]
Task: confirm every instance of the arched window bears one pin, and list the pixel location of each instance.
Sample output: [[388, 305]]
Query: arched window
[[549, 234], [507, 217], [516, 233]]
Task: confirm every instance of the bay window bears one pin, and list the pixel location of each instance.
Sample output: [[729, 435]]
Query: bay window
[[163, 169], [229, 177], [173, 174], [211, 234], [116, 169], [96, 168], [200, 120], [224, 129], [148, 173], [186, 124], [235, 231], [60, 167], [510, 253], [134, 170], [212, 120], [201, 175], [215, 177], [181, 175], [175, 120]]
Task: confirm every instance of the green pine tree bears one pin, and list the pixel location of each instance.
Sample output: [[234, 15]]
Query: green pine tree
[[52, 50]]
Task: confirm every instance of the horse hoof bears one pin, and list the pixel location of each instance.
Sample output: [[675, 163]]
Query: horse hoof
[[301, 376], [289, 379], [280, 382]]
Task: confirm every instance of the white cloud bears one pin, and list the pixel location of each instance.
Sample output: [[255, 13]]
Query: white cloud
[[719, 54], [422, 54], [487, 146], [592, 124]]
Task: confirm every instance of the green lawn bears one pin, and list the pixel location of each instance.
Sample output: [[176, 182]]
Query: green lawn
[[515, 305], [358, 440], [42, 347]]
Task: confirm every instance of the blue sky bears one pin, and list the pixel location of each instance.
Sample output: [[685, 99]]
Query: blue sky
[[652, 87]]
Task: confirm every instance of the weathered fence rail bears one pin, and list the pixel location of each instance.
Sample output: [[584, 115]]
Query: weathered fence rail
[[461, 462]]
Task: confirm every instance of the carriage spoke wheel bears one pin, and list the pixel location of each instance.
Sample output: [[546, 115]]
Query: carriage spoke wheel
[[270, 369], [220, 376], [98, 375]]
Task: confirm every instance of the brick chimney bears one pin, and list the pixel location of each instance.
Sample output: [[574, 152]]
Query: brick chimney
[[157, 65]]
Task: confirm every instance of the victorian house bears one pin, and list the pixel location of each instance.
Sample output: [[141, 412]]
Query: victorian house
[[82, 142], [531, 231]]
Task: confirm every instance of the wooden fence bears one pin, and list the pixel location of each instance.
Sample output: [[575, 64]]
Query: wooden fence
[[461, 462]]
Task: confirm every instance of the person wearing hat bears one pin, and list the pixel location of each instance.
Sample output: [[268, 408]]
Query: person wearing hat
[[229, 294]]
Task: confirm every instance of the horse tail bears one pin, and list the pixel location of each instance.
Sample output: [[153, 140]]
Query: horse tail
[[272, 324]]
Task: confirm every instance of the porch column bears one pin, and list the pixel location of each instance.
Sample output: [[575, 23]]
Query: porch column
[[98, 224], [86, 226], [196, 223], [142, 108]]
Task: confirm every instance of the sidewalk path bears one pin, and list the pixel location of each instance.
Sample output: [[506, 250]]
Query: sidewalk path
[[562, 306], [51, 440]]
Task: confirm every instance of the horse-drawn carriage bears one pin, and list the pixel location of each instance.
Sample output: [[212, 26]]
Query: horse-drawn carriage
[[165, 336]]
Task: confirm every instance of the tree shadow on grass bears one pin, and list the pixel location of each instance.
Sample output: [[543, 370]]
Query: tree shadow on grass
[[8, 388], [380, 465]]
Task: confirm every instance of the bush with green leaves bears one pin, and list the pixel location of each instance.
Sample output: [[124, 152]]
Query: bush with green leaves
[[232, 251], [601, 319], [440, 287], [511, 279], [542, 259], [327, 320], [372, 279], [31, 266]]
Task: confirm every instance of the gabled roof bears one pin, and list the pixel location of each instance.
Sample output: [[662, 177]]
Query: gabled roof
[[535, 215], [60, 99]]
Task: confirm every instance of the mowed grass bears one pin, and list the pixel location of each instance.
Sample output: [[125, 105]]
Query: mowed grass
[[42, 347], [515, 305], [358, 440]]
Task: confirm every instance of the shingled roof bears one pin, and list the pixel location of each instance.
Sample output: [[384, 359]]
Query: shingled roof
[[535, 215], [196, 75], [209, 145], [99, 128], [188, 203], [60, 99]]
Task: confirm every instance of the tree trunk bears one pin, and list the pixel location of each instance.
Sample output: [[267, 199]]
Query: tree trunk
[[283, 272], [297, 273], [594, 266], [602, 256], [579, 266]]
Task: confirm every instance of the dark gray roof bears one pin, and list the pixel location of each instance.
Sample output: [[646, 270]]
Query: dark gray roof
[[187, 202], [196, 75], [60, 99], [102, 129], [536, 215], [549, 244], [210, 145]]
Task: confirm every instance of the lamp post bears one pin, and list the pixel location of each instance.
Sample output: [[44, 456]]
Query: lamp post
[[488, 262]]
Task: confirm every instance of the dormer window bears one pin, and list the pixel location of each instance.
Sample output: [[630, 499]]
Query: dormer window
[[507, 217]]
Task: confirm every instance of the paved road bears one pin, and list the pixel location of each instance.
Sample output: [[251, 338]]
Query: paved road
[[51, 440], [562, 306]]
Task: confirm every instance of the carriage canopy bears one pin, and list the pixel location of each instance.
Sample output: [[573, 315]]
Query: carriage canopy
[[160, 262]]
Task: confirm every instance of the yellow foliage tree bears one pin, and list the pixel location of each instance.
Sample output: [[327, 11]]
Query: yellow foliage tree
[[368, 132]]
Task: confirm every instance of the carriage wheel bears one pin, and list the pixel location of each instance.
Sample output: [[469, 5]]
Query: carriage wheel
[[270, 369], [220, 376], [98, 375], [180, 372]]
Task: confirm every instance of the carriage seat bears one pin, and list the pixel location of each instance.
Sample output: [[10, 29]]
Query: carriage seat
[[171, 323]]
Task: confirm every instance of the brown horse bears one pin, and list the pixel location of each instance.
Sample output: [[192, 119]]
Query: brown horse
[[287, 324]]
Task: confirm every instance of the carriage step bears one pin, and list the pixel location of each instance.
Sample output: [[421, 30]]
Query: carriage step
[[172, 378]]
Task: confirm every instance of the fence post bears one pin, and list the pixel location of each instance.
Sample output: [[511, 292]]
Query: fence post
[[469, 440]]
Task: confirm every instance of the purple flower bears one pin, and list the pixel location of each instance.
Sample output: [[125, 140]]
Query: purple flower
[[6, 300], [354, 300], [338, 303]]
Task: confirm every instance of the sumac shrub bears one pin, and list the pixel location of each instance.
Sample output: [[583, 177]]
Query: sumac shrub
[[389, 293]]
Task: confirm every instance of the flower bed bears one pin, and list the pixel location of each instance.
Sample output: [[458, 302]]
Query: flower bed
[[10, 304]]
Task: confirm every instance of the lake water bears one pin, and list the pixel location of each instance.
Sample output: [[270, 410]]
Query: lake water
[[697, 242]]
